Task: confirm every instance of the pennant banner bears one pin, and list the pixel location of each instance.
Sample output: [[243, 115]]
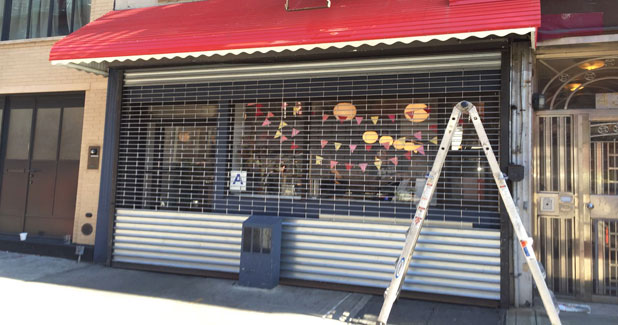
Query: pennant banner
[[266, 122], [294, 132], [258, 112], [298, 109], [348, 166], [359, 119], [387, 145], [323, 143], [352, 148], [374, 119], [333, 164], [394, 161], [421, 150], [282, 125], [378, 163], [283, 138], [368, 147], [278, 134], [408, 155], [434, 140], [324, 117], [318, 160], [337, 146], [270, 114], [363, 166], [392, 117], [294, 146], [418, 135]]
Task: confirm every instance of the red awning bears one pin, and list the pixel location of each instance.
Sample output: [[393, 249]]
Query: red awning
[[220, 27]]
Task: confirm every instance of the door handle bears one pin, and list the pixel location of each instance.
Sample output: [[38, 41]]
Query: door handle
[[589, 205]]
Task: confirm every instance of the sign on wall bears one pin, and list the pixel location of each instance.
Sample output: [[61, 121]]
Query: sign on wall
[[607, 100], [238, 180]]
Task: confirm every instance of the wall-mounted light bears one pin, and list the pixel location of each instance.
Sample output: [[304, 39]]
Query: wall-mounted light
[[592, 65], [574, 86]]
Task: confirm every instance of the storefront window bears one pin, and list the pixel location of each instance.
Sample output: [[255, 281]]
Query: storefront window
[[350, 145], [43, 18]]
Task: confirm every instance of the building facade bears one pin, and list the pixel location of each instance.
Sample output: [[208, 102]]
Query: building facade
[[311, 116], [50, 116]]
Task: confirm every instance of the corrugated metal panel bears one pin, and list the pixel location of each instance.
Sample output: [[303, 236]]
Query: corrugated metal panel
[[432, 63], [219, 27], [458, 261], [178, 239]]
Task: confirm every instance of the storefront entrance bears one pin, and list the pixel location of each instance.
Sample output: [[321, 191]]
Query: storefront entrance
[[577, 199], [40, 161]]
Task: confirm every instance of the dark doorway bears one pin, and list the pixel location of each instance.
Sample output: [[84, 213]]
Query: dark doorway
[[41, 141]]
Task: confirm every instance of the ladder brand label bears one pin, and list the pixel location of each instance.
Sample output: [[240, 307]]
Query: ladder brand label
[[400, 267]]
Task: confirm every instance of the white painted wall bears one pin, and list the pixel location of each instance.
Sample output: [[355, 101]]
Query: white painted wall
[[130, 4]]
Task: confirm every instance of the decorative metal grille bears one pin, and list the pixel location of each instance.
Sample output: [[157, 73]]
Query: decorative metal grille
[[604, 158], [606, 253], [303, 156]]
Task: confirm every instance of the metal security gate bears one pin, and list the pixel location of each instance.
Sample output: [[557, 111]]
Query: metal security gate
[[576, 198], [183, 129], [450, 259]]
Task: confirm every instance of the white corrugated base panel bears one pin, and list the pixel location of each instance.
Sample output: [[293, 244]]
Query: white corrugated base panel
[[448, 260], [200, 241]]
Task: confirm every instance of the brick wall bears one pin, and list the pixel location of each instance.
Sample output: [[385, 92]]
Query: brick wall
[[25, 68]]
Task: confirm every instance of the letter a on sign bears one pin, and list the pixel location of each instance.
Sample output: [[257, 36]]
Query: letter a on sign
[[238, 180]]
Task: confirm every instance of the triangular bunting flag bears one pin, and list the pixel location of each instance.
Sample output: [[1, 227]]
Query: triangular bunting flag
[[323, 143], [434, 140], [410, 114], [282, 125], [408, 155], [421, 150], [386, 145], [270, 114], [294, 146], [392, 117], [333, 163], [342, 118], [359, 119], [418, 135], [433, 127], [294, 132], [352, 148], [363, 166], [348, 166], [258, 112], [368, 147], [337, 146], [374, 119], [378, 163], [266, 122], [254, 104], [318, 160], [278, 134], [324, 117], [394, 161], [283, 138], [298, 109]]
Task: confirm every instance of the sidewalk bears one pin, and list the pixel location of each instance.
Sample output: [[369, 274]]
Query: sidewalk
[[35, 289]]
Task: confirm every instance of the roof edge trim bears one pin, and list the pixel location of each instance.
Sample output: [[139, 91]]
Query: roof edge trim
[[386, 41]]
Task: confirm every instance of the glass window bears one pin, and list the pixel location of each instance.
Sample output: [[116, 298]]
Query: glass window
[[19, 20], [39, 19], [70, 140], [43, 18], [46, 134]]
